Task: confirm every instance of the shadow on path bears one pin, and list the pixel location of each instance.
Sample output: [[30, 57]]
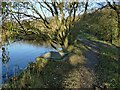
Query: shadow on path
[[93, 52], [98, 54]]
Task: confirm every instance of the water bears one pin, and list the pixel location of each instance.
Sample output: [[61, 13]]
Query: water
[[21, 53]]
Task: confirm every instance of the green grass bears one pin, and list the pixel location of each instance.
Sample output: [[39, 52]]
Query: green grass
[[108, 70], [87, 36], [42, 74]]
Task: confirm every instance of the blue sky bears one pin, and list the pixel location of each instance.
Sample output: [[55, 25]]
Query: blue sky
[[92, 4]]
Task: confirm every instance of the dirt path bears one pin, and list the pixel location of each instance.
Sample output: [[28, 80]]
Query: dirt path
[[92, 55], [91, 59]]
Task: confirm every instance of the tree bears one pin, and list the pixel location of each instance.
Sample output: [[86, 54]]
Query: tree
[[116, 7], [62, 16]]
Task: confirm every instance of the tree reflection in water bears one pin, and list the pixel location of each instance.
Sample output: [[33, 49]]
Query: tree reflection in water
[[5, 59]]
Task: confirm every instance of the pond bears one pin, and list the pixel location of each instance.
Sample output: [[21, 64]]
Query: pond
[[20, 54]]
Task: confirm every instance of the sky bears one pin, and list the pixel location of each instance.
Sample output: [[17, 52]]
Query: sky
[[54, 0], [92, 4]]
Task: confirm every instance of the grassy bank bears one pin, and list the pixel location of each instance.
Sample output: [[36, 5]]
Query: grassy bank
[[108, 70], [45, 73]]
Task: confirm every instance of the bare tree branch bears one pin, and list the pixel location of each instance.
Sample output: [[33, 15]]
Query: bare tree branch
[[86, 5], [49, 8]]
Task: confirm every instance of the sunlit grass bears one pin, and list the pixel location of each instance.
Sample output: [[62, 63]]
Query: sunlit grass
[[87, 36], [108, 68]]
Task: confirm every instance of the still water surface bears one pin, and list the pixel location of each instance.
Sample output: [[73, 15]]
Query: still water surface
[[21, 53]]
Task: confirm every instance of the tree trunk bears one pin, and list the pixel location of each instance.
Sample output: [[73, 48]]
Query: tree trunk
[[65, 44], [118, 16]]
